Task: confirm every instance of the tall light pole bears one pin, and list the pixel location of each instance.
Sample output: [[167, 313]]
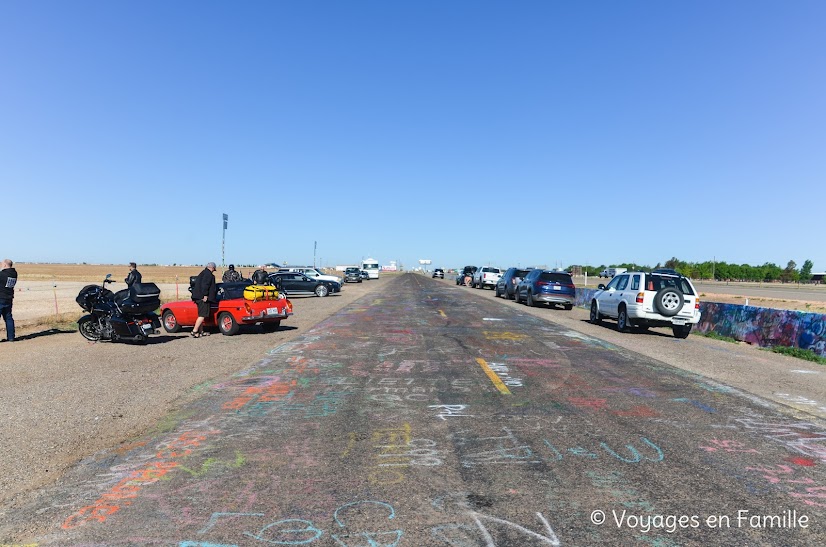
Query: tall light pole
[[223, 241]]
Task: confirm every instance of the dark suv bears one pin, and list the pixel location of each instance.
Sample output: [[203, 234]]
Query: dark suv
[[506, 286], [550, 286], [352, 275]]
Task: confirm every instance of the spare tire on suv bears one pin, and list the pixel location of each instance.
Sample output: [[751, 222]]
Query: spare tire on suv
[[668, 301]]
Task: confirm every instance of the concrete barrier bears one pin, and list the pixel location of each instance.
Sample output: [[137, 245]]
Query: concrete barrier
[[765, 327]]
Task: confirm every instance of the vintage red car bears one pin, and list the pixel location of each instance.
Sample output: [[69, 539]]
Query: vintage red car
[[231, 311]]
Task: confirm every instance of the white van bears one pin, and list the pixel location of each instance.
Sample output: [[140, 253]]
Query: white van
[[371, 266], [611, 272]]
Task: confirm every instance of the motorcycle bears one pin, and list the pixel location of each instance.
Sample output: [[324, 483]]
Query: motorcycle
[[124, 315]]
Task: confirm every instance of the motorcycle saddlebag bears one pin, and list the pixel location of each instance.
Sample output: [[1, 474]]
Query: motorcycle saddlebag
[[143, 298], [260, 292]]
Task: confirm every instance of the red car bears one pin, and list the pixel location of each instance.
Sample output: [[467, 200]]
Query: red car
[[231, 311]]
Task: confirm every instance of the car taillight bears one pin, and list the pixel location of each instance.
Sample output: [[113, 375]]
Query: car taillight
[[640, 296], [541, 283], [697, 304], [247, 307]]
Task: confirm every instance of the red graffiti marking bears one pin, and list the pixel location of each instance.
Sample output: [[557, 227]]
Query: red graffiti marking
[[798, 460], [110, 501]]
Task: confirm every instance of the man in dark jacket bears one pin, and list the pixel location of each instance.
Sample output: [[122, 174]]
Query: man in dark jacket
[[8, 279], [203, 292], [134, 275], [260, 276]]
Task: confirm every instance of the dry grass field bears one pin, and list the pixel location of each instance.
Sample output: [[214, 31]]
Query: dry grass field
[[96, 272]]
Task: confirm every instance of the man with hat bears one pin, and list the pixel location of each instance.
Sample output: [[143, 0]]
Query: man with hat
[[231, 275]]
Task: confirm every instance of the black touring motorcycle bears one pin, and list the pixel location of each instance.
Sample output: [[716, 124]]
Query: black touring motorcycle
[[125, 315]]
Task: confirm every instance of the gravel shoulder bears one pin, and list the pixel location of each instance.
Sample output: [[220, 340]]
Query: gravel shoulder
[[63, 398]]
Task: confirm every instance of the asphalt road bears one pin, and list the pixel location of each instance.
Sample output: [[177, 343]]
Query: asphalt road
[[429, 416]]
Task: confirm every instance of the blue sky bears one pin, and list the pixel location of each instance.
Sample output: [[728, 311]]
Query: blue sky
[[463, 132]]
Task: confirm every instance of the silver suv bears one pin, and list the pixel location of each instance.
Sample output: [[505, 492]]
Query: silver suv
[[642, 300]]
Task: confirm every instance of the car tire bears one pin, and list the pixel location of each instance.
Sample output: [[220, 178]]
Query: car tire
[[496, 292], [272, 326], [569, 307], [681, 331], [668, 301], [622, 320], [531, 301], [227, 324], [516, 295], [595, 317], [170, 322], [321, 290]]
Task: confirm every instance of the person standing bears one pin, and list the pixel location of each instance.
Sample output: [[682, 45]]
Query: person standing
[[231, 275], [260, 277], [134, 275], [8, 279], [203, 292]]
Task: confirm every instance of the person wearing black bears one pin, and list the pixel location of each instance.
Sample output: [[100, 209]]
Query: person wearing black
[[8, 279], [204, 291], [134, 275], [260, 277], [231, 276]]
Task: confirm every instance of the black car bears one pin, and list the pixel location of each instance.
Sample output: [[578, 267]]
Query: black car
[[352, 275], [506, 286], [467, 272], [298, 284], [438, 272]]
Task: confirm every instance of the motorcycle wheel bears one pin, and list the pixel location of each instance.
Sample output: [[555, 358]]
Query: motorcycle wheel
[[89, 328]]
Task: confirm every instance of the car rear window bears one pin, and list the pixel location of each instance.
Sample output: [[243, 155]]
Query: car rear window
[[491, 270], [656, 282], [554, 277]]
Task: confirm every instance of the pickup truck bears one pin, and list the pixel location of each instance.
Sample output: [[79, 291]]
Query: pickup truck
[[486, 277]]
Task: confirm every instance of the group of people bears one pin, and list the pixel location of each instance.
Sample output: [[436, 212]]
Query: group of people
[[204, 291]]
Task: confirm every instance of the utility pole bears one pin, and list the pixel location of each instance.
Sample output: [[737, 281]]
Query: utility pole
[[223, 241]]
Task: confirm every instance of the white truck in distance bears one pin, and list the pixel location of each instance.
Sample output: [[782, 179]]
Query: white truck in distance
[[611, 272]]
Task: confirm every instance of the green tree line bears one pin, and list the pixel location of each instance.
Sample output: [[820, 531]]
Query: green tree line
[[721, 271]]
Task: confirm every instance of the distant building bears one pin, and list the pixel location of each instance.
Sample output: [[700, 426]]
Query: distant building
[[390, 267], [818, 277]]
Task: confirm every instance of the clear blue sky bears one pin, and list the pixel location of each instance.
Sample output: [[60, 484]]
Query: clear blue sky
[[465, 132]]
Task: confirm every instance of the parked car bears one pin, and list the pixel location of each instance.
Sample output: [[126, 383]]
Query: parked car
[[231, 311], [313, 272], [466, 277], [352, 275], [486, 277], [438, 273], [298, 284], [506, 286], [552, 287], [365, 274], [643, 300]]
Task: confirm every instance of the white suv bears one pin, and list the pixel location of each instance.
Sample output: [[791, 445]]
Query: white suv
[[642, 300]]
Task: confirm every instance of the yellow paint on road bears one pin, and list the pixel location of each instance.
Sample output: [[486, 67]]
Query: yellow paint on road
[[442, 313], [497, 381]]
